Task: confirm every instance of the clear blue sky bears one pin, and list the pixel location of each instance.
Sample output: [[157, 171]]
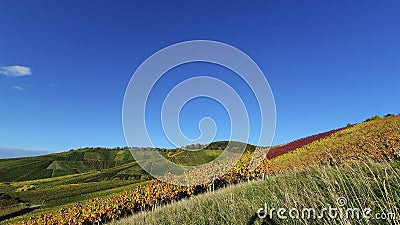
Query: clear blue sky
[[329, 63]]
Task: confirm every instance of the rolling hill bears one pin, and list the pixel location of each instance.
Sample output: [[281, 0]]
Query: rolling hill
[[377, 139], [60, 164], [111, 163], [359, 163]]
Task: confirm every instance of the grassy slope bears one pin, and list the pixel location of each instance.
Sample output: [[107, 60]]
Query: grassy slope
[[377, 139], [350, 144], [375, 185]]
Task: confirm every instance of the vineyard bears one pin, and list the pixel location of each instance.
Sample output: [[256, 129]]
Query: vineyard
[[377, 139], [363, 184], [143, 198], [285, 148]]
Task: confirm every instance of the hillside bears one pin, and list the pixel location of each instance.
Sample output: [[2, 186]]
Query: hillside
[[377, 139], [363, 185], [98, 159], [58, 180], [276, 151], [359, 163]]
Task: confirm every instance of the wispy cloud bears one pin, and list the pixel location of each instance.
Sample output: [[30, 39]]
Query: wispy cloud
[[19, 88], [15, 71]]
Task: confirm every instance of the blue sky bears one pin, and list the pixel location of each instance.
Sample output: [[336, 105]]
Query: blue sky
[[329, 63]]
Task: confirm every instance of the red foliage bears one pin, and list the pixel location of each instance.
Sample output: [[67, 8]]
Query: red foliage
[[285, 148]]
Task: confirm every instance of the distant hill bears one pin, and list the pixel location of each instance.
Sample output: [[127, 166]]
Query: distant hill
[[18, 153], [110, 162], [77, 161], [221, 145], [65, 163]]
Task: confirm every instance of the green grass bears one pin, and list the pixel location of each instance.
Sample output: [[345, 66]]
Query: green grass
[[373, 185]]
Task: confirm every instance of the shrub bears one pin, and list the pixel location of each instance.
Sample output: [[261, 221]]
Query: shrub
[[373, 118]]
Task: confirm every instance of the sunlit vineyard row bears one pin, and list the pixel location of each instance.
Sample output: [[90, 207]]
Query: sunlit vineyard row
[[378, 139]]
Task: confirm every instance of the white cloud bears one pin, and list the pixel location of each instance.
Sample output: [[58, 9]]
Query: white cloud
[[19, 88], [15, 71]]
